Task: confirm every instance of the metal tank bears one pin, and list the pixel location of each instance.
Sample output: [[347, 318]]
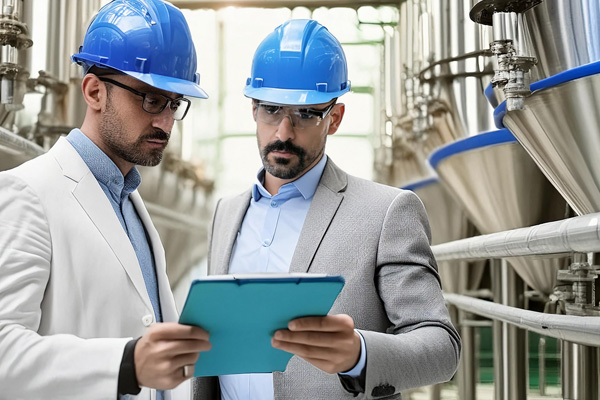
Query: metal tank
[[15, 67], [435, 94], [561, 35], [501, 188], [560, 128]]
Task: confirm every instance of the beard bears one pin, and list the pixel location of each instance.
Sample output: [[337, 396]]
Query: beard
[[111, 130], [284, 168]]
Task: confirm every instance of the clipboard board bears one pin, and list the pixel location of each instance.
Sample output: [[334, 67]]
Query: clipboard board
[[242, 312]]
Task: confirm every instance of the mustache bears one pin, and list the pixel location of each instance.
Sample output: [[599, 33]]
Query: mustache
[[278, 145], [158, 134]]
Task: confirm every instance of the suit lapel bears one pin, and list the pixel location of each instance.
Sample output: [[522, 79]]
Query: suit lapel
[[325, 203], [93, 200], [225, 232], [167, 302]]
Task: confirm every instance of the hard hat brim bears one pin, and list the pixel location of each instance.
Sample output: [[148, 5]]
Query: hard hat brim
[[290, 96], [180, 86]]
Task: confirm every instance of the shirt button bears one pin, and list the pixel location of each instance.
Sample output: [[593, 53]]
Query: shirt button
[[147, 320], [273, 204], [266, 243]]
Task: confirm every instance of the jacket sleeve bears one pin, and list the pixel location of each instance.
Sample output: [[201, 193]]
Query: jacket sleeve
[[421, 347], [34, 366]]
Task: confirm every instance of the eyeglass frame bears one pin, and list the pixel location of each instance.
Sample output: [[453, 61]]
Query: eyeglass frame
[[321, 114], [143, 95]]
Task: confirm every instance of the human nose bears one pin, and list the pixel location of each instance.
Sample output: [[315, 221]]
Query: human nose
[[285, 130], [164, 120]]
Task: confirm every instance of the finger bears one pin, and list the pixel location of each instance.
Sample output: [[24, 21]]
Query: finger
[[317, 339], [185, 359], [329, 323], [187, 346], [173, 330], [304, 351]]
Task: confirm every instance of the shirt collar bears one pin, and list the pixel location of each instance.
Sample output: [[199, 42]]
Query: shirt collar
[[306, 185], [102, 167]]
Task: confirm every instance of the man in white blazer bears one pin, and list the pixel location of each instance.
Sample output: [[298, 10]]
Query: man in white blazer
[[86, 310], [389, 329]]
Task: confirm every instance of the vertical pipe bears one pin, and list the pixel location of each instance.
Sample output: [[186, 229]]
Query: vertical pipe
[[516, 345], [497, 332], [468, 371], [27, 19], [510, 342], [542, 366], [579, 371]]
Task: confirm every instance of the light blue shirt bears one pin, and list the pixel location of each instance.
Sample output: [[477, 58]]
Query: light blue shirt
[[266, 243], [117, 189]]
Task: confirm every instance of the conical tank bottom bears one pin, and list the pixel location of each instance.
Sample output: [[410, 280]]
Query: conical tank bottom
[[560, 128], [501, 188]]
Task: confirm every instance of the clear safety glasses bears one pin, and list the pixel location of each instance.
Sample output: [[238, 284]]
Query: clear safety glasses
[[301, 118], [155, 103]]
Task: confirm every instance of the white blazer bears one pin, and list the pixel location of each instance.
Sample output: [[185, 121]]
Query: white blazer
[[72, 292]]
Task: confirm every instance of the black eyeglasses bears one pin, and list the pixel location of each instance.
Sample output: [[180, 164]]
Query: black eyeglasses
[[155, 103]]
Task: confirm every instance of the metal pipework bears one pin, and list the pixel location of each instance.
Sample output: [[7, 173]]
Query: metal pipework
[[13, 37], [513, 67], [582, 330], [575, 289], [579, 234]]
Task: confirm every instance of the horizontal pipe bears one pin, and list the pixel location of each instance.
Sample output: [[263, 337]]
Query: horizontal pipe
[[579, 234], [582, 330], [19, 144], [466, 56]]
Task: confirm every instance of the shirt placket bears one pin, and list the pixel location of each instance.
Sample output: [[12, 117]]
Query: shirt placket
[[268, 234]]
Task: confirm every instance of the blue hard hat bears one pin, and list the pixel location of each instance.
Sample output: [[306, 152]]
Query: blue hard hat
[[300, 62], [147, 39]]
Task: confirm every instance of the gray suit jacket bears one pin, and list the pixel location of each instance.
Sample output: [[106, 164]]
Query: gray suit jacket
[[377, 237]]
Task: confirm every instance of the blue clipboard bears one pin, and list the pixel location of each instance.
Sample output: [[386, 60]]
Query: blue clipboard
[[241, 313]]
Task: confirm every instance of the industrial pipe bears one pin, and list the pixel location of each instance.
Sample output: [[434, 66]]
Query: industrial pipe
[[579, 234], [582, 330]]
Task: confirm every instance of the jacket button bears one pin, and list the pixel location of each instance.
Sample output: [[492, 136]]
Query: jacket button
[[147, 320], [383, 390]]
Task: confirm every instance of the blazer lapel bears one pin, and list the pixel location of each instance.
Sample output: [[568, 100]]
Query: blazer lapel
[[225, 232], [325, 203], [93, 200], [167, 302]]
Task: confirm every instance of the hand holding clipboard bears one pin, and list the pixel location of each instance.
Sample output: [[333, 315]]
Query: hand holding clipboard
[[241, 313]]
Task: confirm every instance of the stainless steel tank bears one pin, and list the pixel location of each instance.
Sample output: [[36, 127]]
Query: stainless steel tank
[[501, 188], [560, 128]]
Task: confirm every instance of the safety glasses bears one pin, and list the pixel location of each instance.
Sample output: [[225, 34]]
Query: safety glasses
[[301, 118]]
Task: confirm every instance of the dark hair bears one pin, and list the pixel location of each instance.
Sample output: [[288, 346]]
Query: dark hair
[[102, 71]]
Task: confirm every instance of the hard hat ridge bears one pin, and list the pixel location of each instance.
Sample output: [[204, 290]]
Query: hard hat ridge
[[147, 39]]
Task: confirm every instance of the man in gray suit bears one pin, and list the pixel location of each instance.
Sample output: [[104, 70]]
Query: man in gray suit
[[389, 329]]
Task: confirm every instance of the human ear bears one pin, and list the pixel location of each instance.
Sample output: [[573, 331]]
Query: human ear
[[337, 114], [94, 91]]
